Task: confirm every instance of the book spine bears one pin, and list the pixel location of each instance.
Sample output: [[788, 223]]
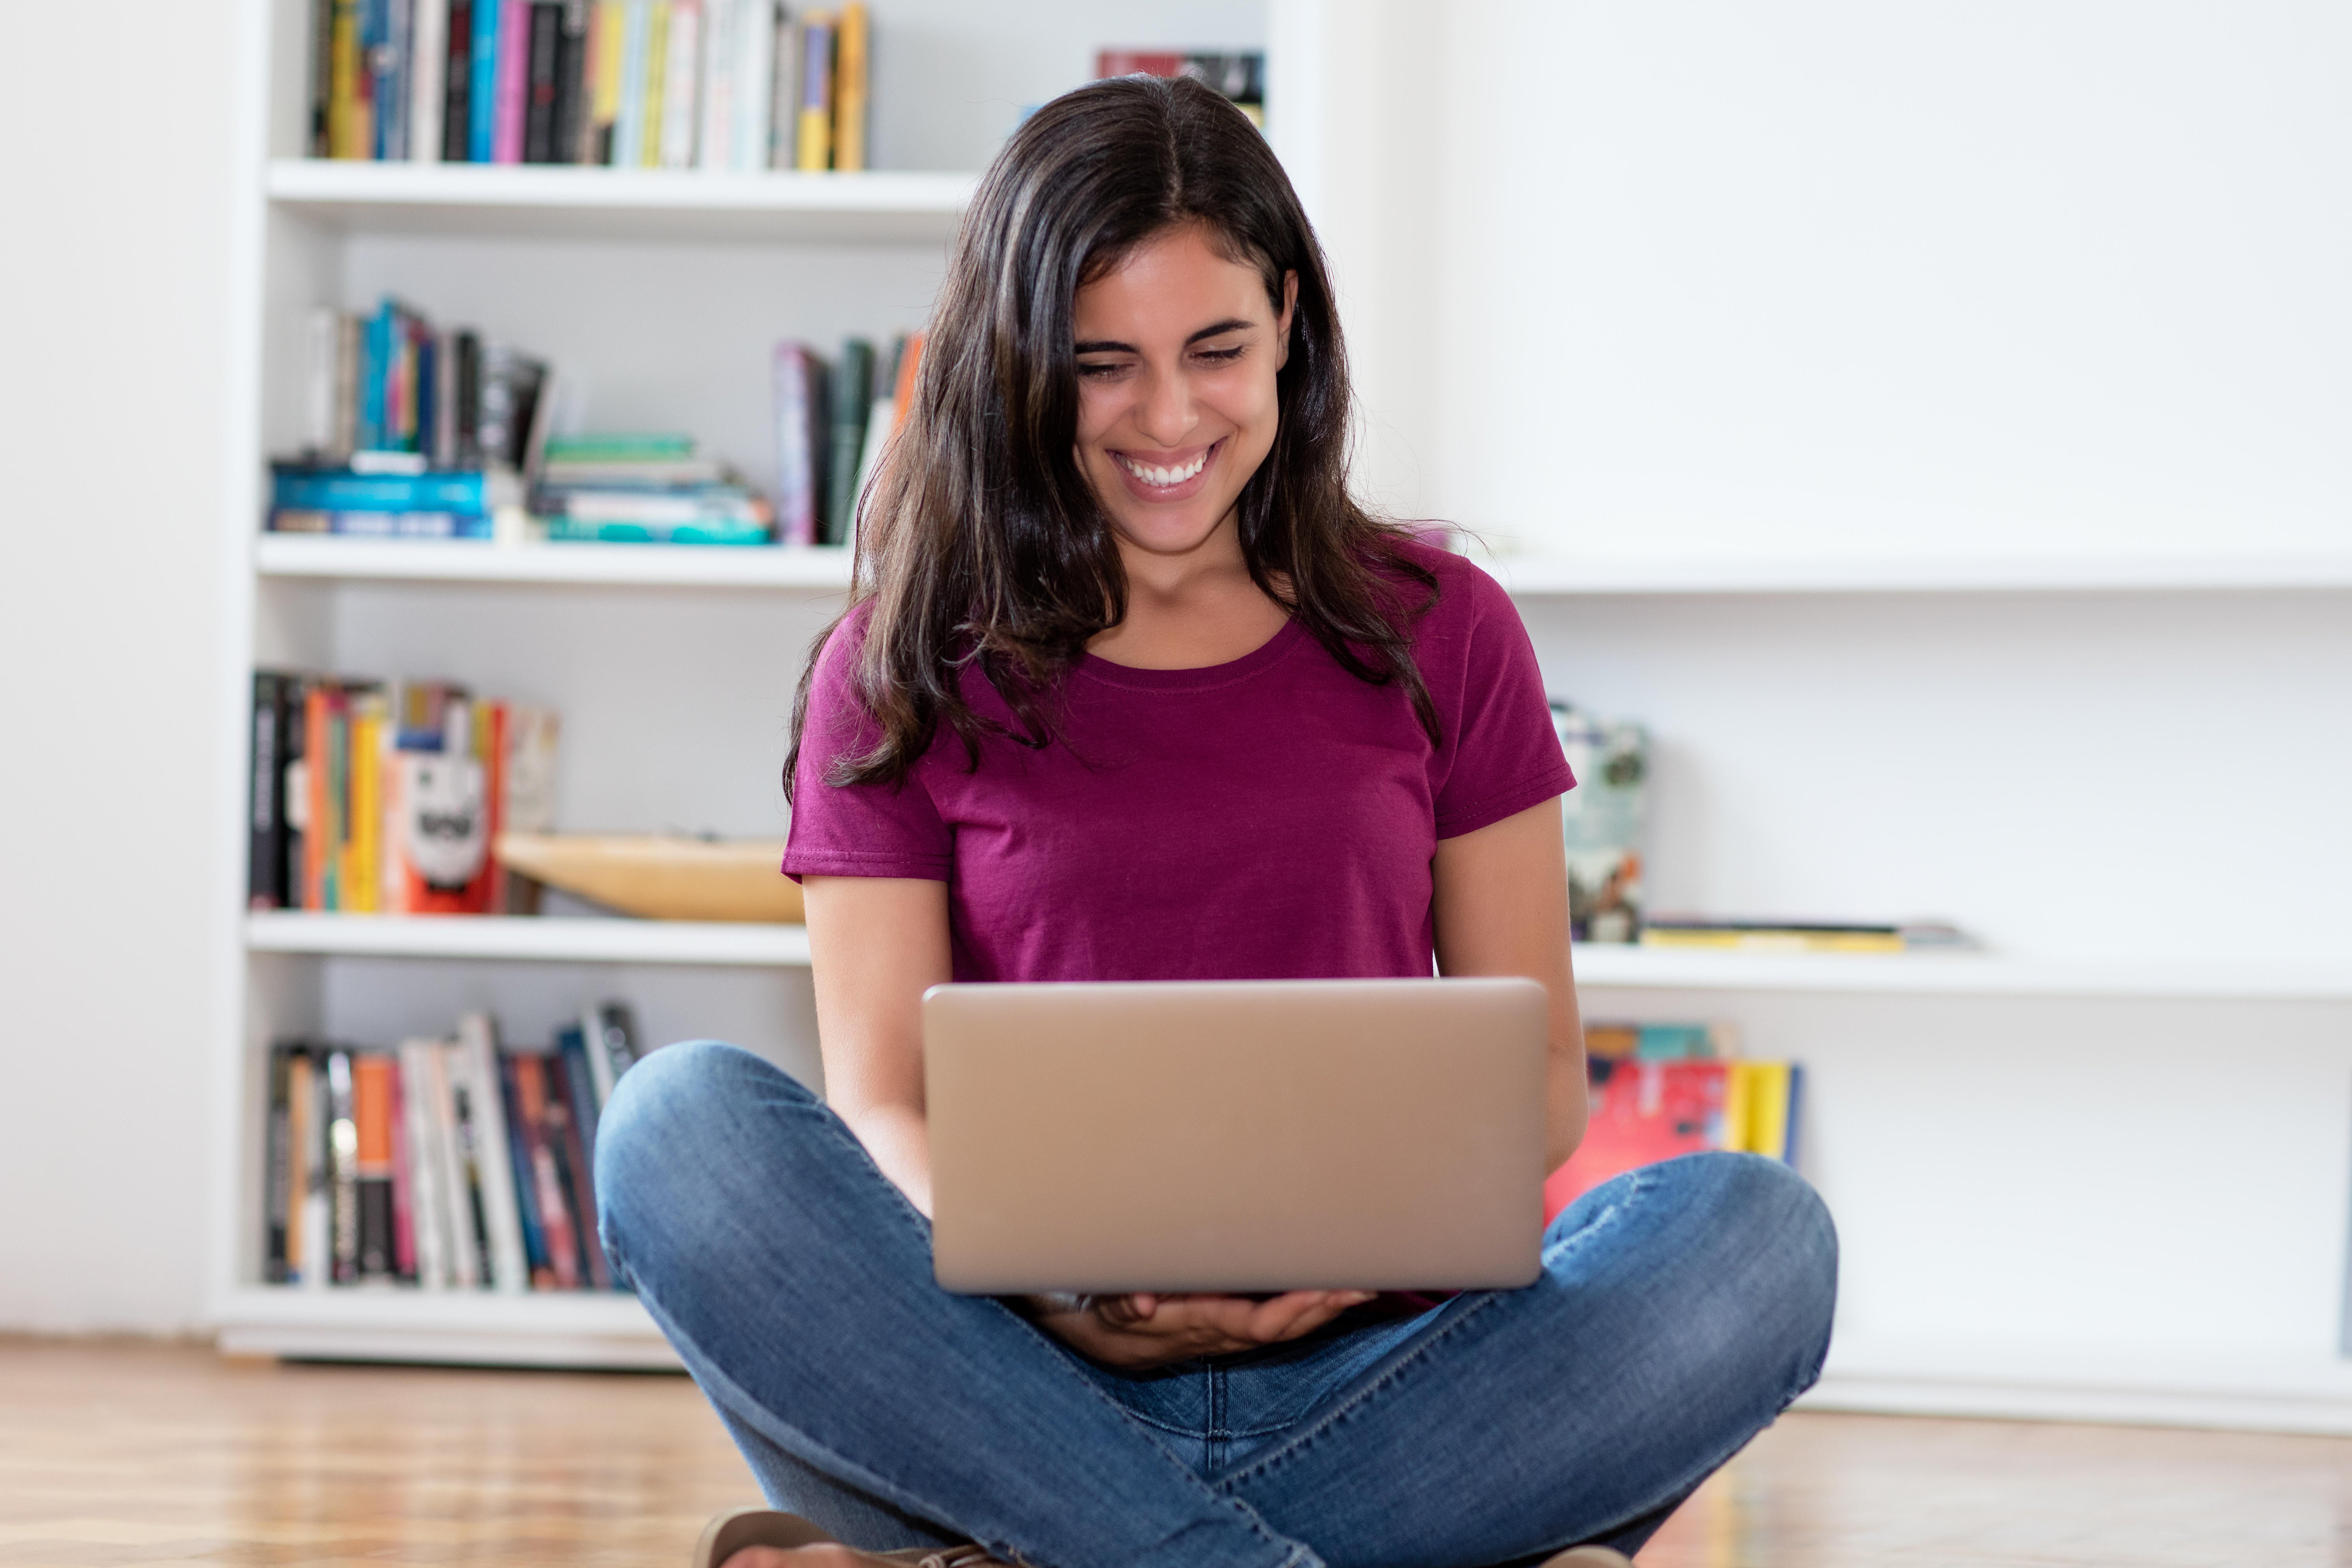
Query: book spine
[[317, 142], [538, 86], [526, 1181], [344, 1153], [394, 61], [852, 401], [277, 1171], [814, 140], [364, 885], [317, 774], [580, 1108], [784, 92], [429, 57], [422, 1213], [574, 41], [512, 88], [344, 135], [849, 89], [714, 138], [755, 87], [535, 1113], [796, 497], [300, 1145], [485, 1119], [465, 1230], [458, 85], [374, 1103], [482, 96], [265, 812], [608, 35], [648, 154]]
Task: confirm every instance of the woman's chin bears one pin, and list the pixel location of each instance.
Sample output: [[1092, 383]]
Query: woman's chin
[[1167, 533]]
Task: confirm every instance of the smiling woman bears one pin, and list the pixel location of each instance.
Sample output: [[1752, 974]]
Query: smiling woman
[[1131, 689]]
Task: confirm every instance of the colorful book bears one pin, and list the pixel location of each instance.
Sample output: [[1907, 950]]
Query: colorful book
[[607, 49], [483, 1110], [482, 100], [802, 441], [1605, 820], [511, 100], [544, 23], [812, 137], [849, 88], [375, 1105], [457, 84], [681, 82]]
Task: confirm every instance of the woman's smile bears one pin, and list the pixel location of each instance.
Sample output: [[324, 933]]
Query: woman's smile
[[1158, 477]]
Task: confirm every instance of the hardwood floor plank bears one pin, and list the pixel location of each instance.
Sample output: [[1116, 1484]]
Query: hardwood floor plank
[[115, 1454]]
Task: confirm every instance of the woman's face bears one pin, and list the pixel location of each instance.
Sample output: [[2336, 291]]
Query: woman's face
[[1177, 349]]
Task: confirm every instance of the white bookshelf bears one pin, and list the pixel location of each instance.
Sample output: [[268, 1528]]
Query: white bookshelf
[[533, 938], [321, 556]]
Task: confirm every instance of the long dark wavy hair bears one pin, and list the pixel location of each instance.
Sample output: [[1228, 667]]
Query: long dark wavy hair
[[980, 542]]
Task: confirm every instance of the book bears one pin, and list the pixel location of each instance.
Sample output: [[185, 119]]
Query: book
[[723, 34], [574, 41], [277, 1168], [581, 1107], [791, 39], [482, 1109], [629, 85], [301, 486], [466, 1230], [681, 82], [802, 441], [1797, 936], [657, 75], [266, 806], [303, 1256], [424, 1221], [482, 96], [852, 403], [547, 1218], [812, 136], [457, 83], [1239, 75], [849, 88], [609, 1034], [539, 84], [707, 532], [321, 64], [512, 87], [374, 1115], [753, 88], [344, 1177], [1605, 820]]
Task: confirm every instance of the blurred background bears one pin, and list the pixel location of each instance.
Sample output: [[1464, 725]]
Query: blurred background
[[1924, 431]]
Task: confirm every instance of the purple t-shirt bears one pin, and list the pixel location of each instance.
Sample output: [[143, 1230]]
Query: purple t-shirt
[[1270, 819]]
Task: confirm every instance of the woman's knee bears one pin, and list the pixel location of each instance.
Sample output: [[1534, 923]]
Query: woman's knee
[[679, 1111], [1780, 1234]]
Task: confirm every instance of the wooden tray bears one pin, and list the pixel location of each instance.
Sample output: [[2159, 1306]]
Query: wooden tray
[[661, 877]]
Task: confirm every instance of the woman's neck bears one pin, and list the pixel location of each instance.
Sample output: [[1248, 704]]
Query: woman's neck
[[1190, 610]]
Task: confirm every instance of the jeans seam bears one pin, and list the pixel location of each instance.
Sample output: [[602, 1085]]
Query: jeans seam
[[1331, 1419]]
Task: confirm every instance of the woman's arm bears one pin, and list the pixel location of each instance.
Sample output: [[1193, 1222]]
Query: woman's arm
[[877, 944], [1502, 909]]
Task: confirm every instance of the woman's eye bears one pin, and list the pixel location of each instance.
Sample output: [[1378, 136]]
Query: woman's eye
[[1221, 356], [1099, 368]]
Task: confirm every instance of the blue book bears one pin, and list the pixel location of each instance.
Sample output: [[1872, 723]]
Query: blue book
[[534, 1237], [482, 109], [375, 60], [464, 492]]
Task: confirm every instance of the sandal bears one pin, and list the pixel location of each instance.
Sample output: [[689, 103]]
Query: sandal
[[732, 1532]]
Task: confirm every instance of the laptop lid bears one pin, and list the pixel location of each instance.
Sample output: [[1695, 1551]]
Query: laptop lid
[[1236, 1136]]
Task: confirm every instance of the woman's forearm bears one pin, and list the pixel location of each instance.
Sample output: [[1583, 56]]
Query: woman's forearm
[[899, 1139]]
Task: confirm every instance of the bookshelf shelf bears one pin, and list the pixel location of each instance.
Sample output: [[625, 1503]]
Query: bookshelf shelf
[[1604, 967], [552, 940], [540, 1328], [823, 569], [557, 202], [1562, 575]]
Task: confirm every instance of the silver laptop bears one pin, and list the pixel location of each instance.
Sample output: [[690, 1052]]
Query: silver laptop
[[1242, 1136]]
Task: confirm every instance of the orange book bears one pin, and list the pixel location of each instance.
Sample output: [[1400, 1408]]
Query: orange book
[[903, 395], [375, 1100], [849, 88]]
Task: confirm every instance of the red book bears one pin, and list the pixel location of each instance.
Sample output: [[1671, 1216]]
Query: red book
[[512, 97], [404, 1223], [1642, 1112], [555, 1213]]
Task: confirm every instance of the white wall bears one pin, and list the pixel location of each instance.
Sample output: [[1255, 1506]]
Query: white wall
[[111, 284]]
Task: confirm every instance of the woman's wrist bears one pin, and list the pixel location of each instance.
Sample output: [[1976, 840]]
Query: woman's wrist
[[1049, 1304]]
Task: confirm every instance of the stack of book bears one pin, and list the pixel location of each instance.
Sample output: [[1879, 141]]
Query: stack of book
[[741, 85], [370, 797], [409, 430], [444, 1164], [832, 421], [1240, 76], [646, 489], [1805, 936], [1664, 1090]]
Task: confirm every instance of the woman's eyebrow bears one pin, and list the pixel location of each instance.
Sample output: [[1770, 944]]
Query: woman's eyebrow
[[1112, 346]]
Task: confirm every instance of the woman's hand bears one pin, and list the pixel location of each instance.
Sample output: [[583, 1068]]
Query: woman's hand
[[1134, 1333]]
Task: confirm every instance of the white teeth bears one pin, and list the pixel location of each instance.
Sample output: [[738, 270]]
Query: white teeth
[[1164, 479]]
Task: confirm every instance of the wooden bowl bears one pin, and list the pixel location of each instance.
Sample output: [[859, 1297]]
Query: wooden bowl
[[661, 877]]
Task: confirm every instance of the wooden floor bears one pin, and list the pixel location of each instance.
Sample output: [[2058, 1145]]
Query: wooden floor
[[138, 1454]]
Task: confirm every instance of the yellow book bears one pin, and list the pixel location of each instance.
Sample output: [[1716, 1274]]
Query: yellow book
[[648, 149], [605, 36], [364, 872], [813, 93], [849, 88], [1768, 1109], [1736, 1107], [343, 106], [1773, 940]]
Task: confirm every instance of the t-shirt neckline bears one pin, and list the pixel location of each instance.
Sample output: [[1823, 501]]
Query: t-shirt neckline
[[1202, 677]]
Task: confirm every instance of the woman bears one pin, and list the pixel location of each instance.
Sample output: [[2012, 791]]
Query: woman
[[1131, 690]]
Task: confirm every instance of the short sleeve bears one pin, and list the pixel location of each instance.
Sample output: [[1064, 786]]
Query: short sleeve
[[1501, 754], [856, 830]]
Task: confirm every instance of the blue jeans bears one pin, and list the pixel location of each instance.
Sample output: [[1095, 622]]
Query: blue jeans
[[1681, 1308]]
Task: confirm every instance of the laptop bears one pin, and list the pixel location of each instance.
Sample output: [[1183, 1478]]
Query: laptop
[[1240, 1136]]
